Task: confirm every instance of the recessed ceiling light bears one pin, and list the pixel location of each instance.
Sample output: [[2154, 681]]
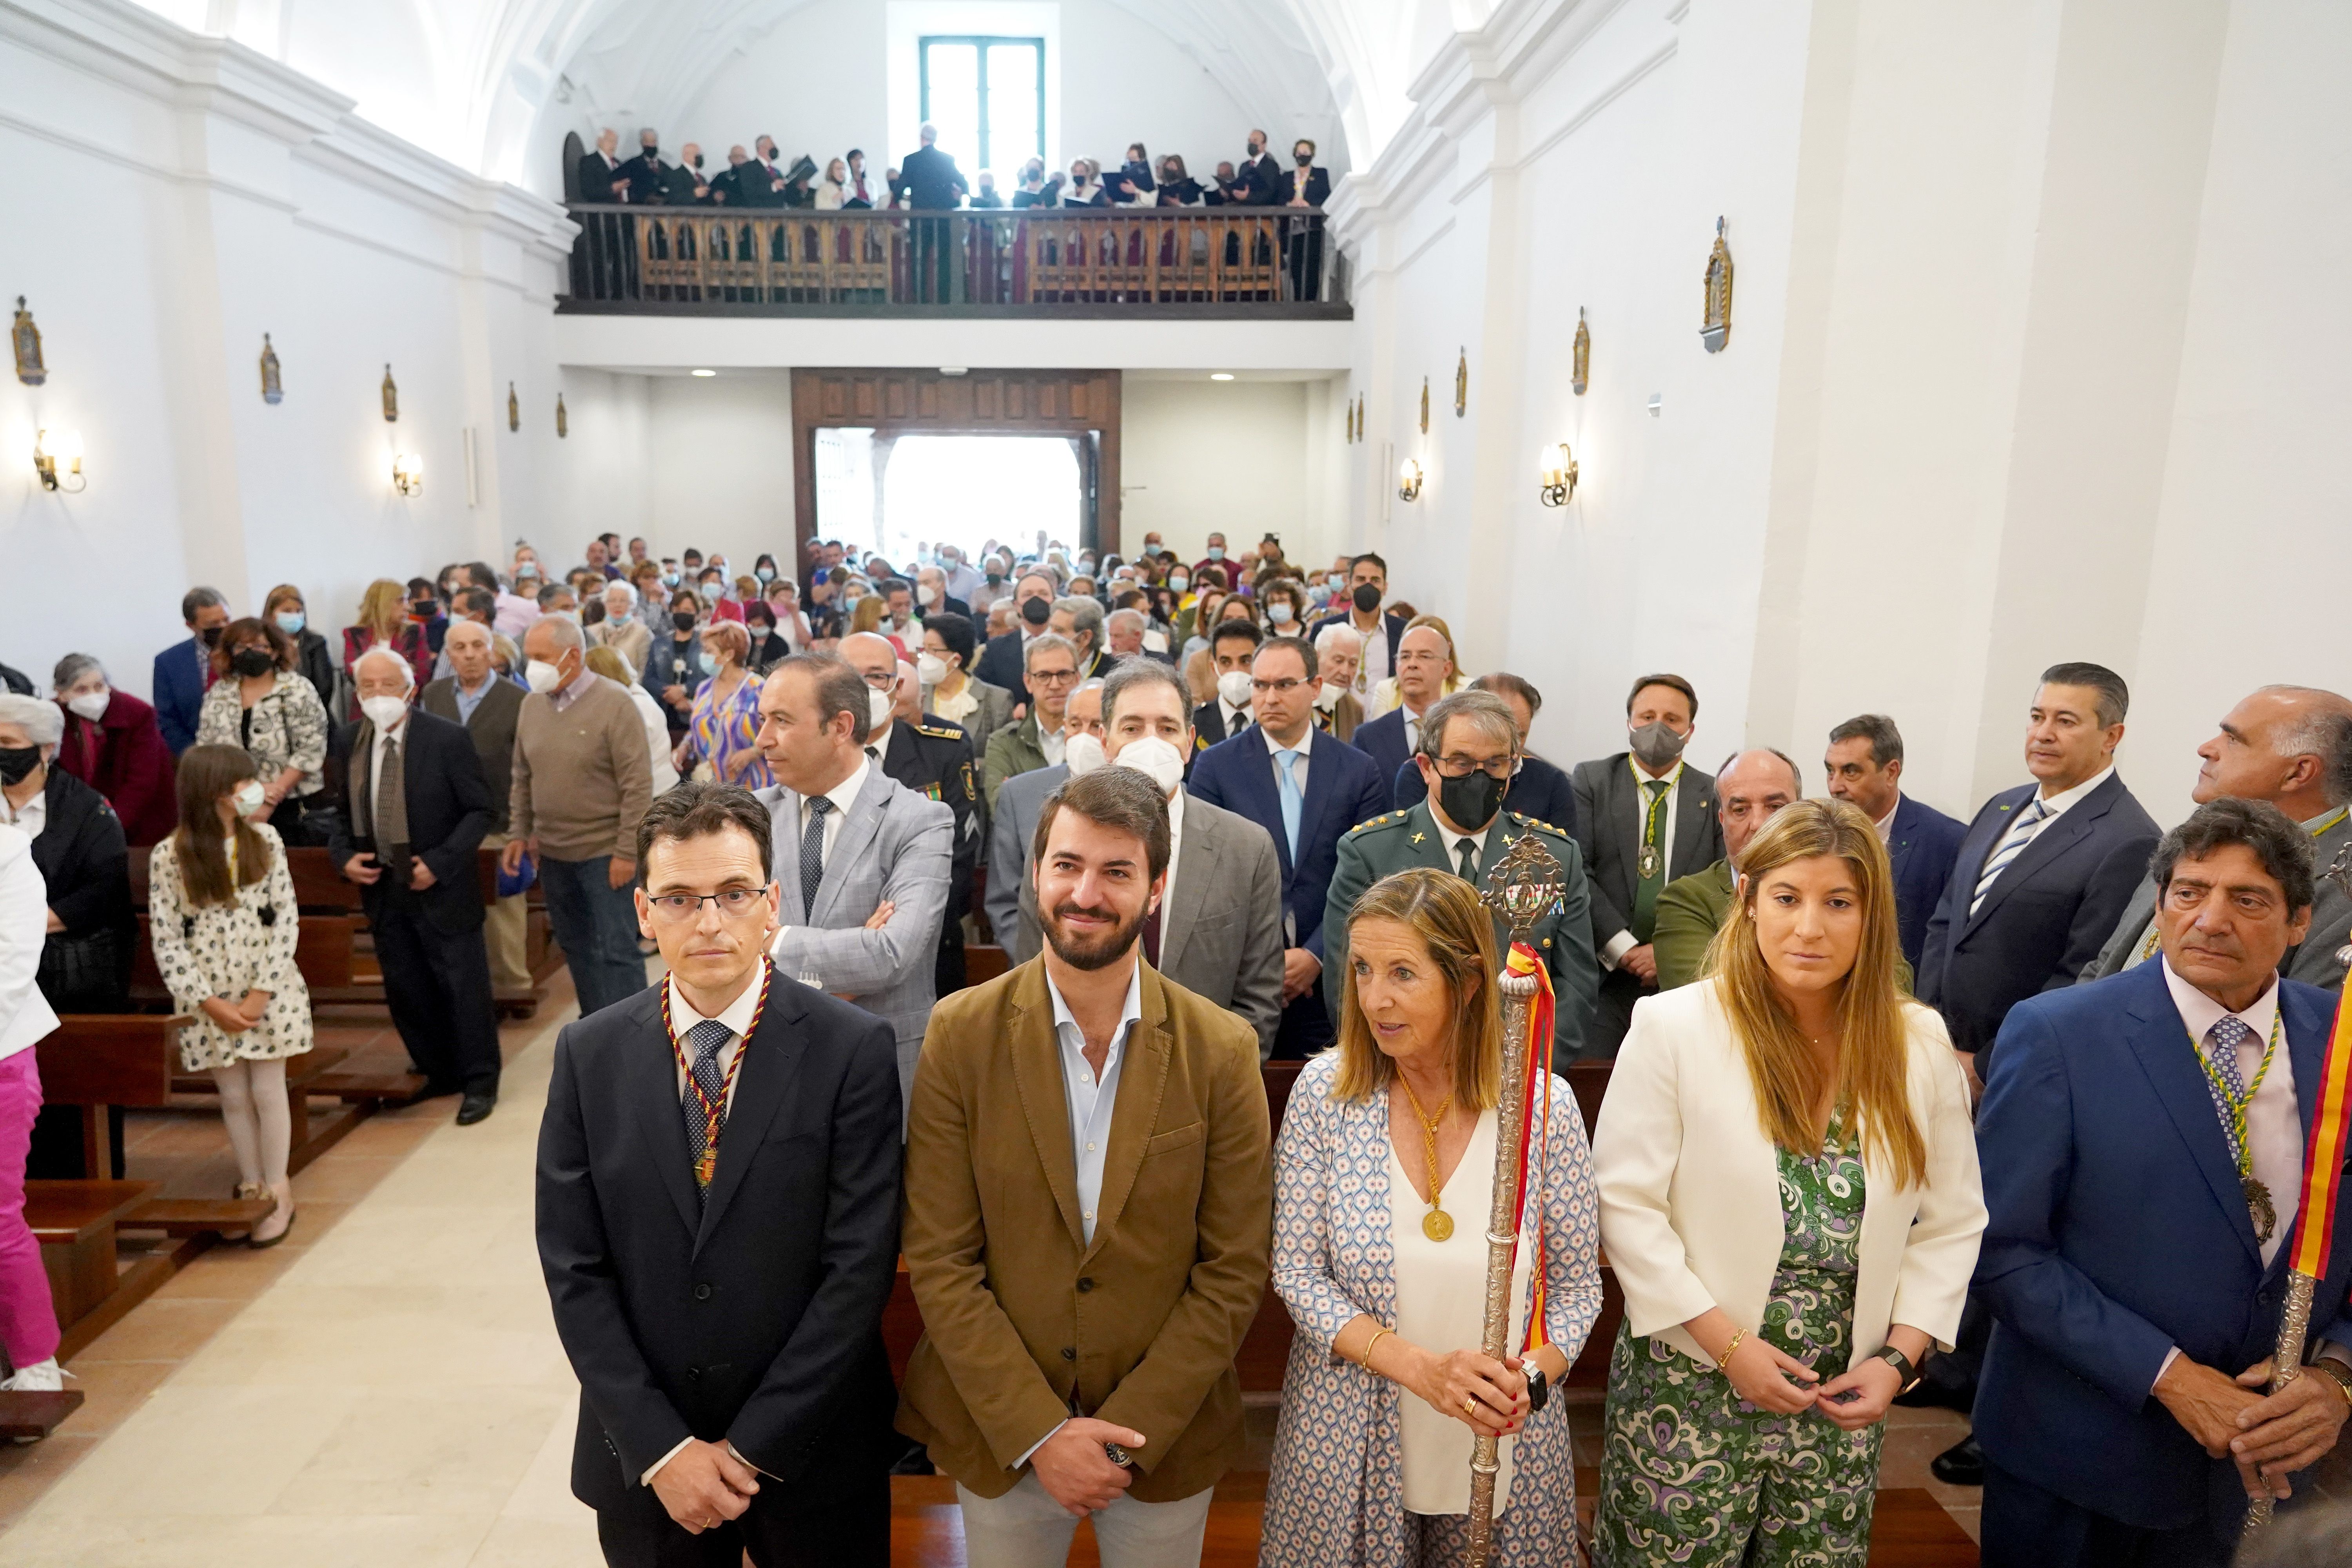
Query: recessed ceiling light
[[1221, 375], [706, 373]]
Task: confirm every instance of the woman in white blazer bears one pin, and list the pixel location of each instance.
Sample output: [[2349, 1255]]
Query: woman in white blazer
[[1789, 1196]]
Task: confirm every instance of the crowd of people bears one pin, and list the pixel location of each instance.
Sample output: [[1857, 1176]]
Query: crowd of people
[[1993, 1114]]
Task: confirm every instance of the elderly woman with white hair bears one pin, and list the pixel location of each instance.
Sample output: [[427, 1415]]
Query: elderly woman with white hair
[[113, 743], [621, 629]]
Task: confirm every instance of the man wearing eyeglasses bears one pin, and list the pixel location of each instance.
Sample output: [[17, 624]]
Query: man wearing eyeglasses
[[1468, 751], [1035, 740], [1305, 790], [718, 1222]]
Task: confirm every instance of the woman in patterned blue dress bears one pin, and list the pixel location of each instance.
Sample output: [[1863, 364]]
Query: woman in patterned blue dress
[[1790, 1197], [1382, 1261]]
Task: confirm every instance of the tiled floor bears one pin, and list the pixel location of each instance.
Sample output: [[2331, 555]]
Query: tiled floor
[[385, 1387]]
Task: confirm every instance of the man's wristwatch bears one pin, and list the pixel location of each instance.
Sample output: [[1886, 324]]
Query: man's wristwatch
[[1902, 1365], [1539, 1389], [2336, 1372]]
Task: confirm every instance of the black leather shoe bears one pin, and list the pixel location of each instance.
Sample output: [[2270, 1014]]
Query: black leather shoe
[[476, 1107], [1961, 1465]]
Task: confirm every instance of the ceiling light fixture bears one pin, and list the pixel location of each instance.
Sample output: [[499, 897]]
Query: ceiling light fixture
[[705, 374], [1221, 375]]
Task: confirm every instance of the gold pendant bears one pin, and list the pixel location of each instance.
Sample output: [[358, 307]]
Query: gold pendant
[[1437, 1225], [2258, 1205], [1645, 866], [706, 1167]]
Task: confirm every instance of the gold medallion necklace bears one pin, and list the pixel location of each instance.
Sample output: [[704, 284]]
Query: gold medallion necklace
[[2260, 1209], [1436, 1224]]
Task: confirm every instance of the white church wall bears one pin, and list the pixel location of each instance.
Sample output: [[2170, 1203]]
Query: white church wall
[[722, 466], [1235, 457]]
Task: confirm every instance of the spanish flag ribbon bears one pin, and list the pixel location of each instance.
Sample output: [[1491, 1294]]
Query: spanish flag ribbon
[[1524, 960], [2323, 1153]]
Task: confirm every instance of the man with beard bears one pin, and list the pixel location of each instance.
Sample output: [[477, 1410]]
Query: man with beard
[[1142, 1274]]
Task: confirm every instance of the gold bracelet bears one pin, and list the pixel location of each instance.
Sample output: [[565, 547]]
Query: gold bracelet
[[1365, 1360], [1725, 1359]]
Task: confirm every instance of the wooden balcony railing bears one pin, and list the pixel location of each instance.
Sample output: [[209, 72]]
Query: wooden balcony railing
[[1170, 260]]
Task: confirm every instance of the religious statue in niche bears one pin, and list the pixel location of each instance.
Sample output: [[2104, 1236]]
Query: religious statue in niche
[[1714, 327], [26, 339], [1580, 376], [390, 398], [514, 408], [1424, 406], [563, 420], [1461, 384], [273, 385]]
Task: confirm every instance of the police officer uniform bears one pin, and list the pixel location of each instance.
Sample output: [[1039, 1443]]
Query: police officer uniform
[[934, 758], [1398, 840]]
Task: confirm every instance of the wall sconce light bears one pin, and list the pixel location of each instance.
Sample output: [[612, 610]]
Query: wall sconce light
[[1559, 465], [1408, 481], [56, 451], [408, 474]]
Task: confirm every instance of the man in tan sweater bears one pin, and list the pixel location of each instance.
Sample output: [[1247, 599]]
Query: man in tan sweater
[[581, 780]]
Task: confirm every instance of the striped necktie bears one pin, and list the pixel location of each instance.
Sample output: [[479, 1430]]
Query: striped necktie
[[2021, 833]]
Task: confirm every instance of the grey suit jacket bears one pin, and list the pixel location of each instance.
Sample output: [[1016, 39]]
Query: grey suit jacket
[[1221, 929], [894, 845], [2315, 963], [1609, 831]]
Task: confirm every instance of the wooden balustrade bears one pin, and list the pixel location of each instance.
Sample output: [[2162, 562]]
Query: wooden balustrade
[[708, 260]]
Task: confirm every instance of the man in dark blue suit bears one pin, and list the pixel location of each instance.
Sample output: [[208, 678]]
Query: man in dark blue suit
[[1424, 663], [184, 669], [1538, 789], [1341, 788], [1865, 768], [1360, 609], [2045, 869], [2142, 1144], [1003, 663]]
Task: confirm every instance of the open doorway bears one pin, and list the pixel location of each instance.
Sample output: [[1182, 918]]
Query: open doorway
[[906, 495]]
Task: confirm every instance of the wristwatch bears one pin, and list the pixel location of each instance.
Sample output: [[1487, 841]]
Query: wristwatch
[[1118, 1456], [1902, 1365], [1539, 1389], [2336, 1371]]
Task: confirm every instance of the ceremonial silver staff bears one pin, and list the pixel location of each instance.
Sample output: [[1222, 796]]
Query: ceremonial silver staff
[[1524, 884]]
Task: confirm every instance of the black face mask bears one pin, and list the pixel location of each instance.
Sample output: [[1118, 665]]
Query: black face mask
[[252, 661], [210, 636], [17, 762], [426, 609], [1471, 803], [653, 151], [995, 578], [1306, 160], [698, 160], [682, 619], [1365, 597], [1036, 612]]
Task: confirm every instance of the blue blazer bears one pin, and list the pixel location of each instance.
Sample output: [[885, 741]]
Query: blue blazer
[[1923, 846], [1541, 791], [1343, 788], [2118, 1230], [179, 687], [1383, 741], [2050, 914]]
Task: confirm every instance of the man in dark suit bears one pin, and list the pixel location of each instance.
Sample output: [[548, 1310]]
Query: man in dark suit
[[2143, 1164], [1003, 663], [726, 186], [474, 695], [760, 183], [1644, 818], [1261, 174], [1367, 585], [647, 176], [687, 187], [1424, 663], [2045, 869], [414, 806], [1258, 774], [1232, 649], [929, 181], [601, 179], [718, 1226], [1865, 765], [183, 671], [1538, 789]]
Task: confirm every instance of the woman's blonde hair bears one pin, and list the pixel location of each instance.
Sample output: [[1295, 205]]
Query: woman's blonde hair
[[1445, 914], [867, 616], [607, 662], [383, 609], [1873, 1055]]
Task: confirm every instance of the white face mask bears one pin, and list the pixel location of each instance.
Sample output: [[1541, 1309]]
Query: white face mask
[[929, 594], [1082, 754], [382, 712], [1154, 641], [248, 797], [878, 709], [90, 705], [543, 677], [1157, 758], [931, 668], [1279, 612], [1234, 685], [1327, 695]]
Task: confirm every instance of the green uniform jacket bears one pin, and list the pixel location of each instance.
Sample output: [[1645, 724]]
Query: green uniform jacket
[[1391, 843], [1013, 750], [1691, 910]]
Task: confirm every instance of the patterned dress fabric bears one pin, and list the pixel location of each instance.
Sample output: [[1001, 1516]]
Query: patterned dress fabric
[[1691, 1473], [227, 950], [288, 728], [1335, 1498], [724, 731]]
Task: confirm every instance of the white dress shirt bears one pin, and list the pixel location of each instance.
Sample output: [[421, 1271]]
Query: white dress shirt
[[1622, 942], [1886, 825], [32, 817], [1054, 743], [1453, 841], [1373, 668], [1298, 765], [844, 795], [398, 734]]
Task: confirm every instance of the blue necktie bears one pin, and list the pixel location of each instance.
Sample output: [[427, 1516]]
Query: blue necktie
[[813, 854], [1294, 804], [704, 1039]]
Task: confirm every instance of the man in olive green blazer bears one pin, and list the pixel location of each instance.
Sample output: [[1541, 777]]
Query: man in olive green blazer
[[1748, 789]]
